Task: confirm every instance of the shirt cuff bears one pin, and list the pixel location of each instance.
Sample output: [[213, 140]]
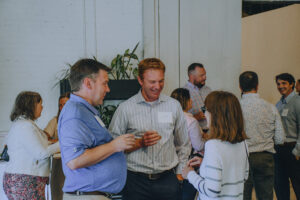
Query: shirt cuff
[[179, 168], [192, 176], [296, 150]]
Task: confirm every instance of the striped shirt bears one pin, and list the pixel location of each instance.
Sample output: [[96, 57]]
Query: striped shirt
[[262, 124], [198, 96], [223, 171], [165, 116]]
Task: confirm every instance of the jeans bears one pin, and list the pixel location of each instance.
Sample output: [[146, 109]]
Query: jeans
[[261, 176], [139, 187], [188, 191], [286, 167]]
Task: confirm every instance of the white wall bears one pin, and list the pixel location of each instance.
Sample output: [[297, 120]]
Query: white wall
[[205, 31], [38, 38]]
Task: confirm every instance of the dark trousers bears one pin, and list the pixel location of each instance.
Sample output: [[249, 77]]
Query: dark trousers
[[286, 167], [139, 187], [188, 191], [261, 176]]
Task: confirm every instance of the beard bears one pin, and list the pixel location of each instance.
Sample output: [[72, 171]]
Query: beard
[[199, 85]]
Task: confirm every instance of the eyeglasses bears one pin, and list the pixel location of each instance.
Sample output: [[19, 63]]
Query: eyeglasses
[[203, 109]]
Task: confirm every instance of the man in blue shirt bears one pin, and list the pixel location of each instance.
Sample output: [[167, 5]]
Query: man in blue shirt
[[93, 162], [287, 159]]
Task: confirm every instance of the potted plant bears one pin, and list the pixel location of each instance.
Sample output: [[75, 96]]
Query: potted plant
[[123, 75], [64, 84], [123, 81]]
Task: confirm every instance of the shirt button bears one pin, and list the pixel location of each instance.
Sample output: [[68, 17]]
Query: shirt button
[[75, 149]]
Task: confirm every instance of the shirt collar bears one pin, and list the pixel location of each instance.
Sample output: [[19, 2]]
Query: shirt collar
[[79, 99], [289, 97], [191, 85], [188, 114], [141, 99], [250, 95]]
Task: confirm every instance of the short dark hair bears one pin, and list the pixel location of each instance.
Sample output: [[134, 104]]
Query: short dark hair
[[248, 81], [286, 77], [298, 80], [84, 68], [25, 105], [183, 96], [193, 66], [227, 122]]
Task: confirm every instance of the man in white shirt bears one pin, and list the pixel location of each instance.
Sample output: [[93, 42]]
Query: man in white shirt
[[263, 128], [162, 142]]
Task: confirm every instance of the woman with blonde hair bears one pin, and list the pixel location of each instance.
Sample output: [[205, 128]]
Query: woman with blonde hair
[[224, 167], [27, 171]]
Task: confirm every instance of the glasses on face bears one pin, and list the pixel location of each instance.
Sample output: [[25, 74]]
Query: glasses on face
[[203, 109]]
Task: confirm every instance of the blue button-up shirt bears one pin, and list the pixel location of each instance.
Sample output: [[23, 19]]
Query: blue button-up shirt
[[78, 130]]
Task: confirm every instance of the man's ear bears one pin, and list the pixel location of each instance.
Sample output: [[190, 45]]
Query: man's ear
[[140, 80], [87, 83], [240, 88]]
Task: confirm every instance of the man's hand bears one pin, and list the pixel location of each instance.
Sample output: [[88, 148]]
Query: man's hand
[[199, 116], [297, 157], [123, 142], [186, 170], [150, 138]]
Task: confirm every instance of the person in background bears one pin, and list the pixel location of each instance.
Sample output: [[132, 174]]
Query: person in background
[[51, 128], [298, 86], [287, 157], [225, 167], [263, 128], [195, 133], [162, 143], [28, 170], [93, 162], [198, 91]]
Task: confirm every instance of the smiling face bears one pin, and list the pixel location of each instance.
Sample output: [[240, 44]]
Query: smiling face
[[152, 84], [284, 87]]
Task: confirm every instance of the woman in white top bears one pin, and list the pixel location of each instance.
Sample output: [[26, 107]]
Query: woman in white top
[[224, 167], [51, 128], [27, 171], [195, 134]]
